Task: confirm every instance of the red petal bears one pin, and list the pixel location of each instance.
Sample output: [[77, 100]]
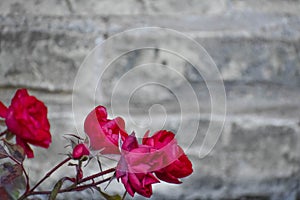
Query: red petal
[[3, 110], [19, 94], [184, 167], [42, 138], [164, 176], [25, 146], [120, 122], [101, 113], [134, 181], [128, 187], [130, 143], [160, 139], [150, 179]]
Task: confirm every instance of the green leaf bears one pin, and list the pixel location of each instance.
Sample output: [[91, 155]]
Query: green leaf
[[16, 151], [56, 189], [109, 197], [3, 153], [9, 172]]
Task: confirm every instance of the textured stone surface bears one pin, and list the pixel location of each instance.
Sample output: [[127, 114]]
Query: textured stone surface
[[255, 45]]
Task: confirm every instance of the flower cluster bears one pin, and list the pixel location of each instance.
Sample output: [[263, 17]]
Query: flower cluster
[[159, 157], [140, 165]]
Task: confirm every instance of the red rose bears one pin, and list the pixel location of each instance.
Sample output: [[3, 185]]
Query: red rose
[[180, 168], [26, 117], [133, 168], [104, 133], [176, 163], [79, 151]]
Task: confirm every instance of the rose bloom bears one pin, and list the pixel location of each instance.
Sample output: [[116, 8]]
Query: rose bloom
[[104, 133], [175, 163], [133, 168], [26, 118]]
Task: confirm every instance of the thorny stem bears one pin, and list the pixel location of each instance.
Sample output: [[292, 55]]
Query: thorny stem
[[74, 187], [71, 189], [50, 172], [30, 192], [96, 175]]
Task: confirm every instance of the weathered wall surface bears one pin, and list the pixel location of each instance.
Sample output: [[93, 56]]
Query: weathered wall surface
[[255, 44]]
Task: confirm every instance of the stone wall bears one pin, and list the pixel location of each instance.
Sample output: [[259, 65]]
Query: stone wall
[[255, 44]]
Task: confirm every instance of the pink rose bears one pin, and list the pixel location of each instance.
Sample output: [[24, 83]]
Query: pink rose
[[133, 168], [175, 163], [26, 117], [104, 133]]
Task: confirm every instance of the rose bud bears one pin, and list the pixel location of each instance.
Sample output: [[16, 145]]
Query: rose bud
[[80, 151]]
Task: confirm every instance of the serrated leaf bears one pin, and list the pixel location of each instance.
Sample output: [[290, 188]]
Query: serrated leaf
[[56, 189], [9, 172], [109, 197], [3, 153], [16, 151]]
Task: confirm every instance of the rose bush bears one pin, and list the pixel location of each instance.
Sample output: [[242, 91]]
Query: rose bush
[[139, 166], [26, 118]]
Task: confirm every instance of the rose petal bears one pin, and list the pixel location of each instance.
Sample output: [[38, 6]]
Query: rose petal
[[104, 133], [25, 146], [20, 93], [130, 143], [128, 187], [101, 113], [150, 179], [3, 110], [164, 176]]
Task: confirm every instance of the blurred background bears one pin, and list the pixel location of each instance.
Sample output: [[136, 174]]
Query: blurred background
[[255, 45]]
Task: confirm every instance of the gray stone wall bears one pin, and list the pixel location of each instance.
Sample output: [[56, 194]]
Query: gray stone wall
[[255, 44]]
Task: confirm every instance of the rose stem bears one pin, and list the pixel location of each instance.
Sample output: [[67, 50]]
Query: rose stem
[[50, 172], [96, 175], [78, 188]]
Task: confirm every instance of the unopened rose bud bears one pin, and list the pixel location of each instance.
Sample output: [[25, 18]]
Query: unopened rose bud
[[80, 151]]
